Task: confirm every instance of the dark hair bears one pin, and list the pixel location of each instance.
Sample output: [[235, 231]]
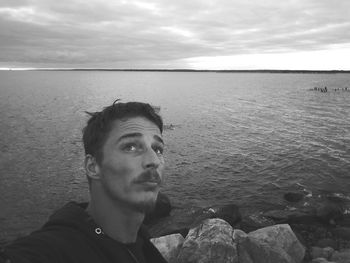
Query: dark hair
[[100, 123]]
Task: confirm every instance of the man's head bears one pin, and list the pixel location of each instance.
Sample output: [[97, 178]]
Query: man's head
[[124, 154], [100, 124]]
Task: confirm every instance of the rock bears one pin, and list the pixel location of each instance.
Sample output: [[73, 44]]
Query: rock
[[300, 238], [273, 244], [345, 221], [230, 213], [292, 216], [181, 220], [162, 209], [342, 256], [317, 252], [243, 256], [215, 241], [238, 234], [321, 260], [169, 246], [329, 212], [327, 242], [342, 232], [337, 198], [328, 252], [278, 215], [167, 226], [209, 242], [293, 197], [255, 221]]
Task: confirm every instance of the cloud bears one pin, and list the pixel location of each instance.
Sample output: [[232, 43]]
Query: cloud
[[139, 32], [331, 59]]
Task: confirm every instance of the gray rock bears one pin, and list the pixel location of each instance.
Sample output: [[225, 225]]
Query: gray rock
[[243, 256], [238, 234], [278, 215], [209, 242], [345, 221], [326, 242], [321, 260], [230, 213], [169, 246], [255, 221], [342, 232], [329, 212], [342, 256], [337, 198], [215, 241], [182, 220], [273, 244], [292, 216], [317, 252]]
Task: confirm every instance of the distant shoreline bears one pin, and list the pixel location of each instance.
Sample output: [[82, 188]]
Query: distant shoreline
[[187, 70]]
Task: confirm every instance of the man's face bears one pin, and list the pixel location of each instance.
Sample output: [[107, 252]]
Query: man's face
[[132, 165]]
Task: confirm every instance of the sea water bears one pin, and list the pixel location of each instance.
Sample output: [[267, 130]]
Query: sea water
[[243, 138]]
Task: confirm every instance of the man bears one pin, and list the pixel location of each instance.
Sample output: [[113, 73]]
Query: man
[[124, 165]]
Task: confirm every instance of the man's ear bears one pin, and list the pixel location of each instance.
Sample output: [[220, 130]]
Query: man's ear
[[91, 167]]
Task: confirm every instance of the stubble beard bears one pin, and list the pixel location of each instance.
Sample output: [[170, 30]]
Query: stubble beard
[[146, 205]]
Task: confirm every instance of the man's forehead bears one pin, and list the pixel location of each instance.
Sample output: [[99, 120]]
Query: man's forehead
[[135, 124]]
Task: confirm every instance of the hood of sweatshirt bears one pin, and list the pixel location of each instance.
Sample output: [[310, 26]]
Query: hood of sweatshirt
[[74, 215]]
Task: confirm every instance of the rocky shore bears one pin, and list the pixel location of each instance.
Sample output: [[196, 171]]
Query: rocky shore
[[320, 225]]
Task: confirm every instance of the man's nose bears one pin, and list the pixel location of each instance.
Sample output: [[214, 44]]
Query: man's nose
[[151, 159]]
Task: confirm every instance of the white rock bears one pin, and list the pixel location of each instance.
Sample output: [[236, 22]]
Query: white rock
[[211, 241], [169, 246]]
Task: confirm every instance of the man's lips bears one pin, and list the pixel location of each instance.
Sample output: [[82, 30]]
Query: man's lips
[[151, 185], [149, 182]]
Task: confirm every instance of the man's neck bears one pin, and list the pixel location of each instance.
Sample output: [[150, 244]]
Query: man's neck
[[118, 222]]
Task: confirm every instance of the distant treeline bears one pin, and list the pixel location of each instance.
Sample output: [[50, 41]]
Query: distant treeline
[[194, 70]]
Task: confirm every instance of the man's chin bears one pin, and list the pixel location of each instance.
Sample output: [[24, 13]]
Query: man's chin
[[146, 203], [146, 206]]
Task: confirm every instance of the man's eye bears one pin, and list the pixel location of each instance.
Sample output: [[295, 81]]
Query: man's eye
[[159, 150], [130, 148]]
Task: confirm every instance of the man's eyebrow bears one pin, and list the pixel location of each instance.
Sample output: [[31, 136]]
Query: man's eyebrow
[[158, 138], [129, 135], [138, 135]]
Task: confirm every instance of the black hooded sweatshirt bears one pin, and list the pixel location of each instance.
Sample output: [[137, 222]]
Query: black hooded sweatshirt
[[71, 236]]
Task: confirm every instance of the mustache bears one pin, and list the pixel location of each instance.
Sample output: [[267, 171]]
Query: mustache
[[149, 176]]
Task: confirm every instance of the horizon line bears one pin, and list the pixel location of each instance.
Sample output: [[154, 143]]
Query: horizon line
[[182, 70]]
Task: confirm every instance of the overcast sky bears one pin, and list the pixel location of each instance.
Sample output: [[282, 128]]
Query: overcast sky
[[198, 34]]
